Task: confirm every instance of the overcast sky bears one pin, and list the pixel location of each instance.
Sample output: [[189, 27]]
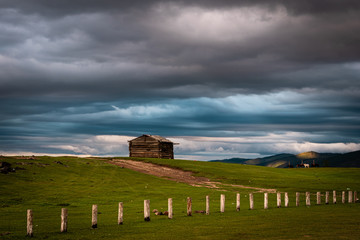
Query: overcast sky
[[222, 78]]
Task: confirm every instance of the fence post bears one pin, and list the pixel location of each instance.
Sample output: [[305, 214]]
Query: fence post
[[29, 227], [251, 198], [327, 197], [238, 202], [64, 214], [222, 203], [355, 196], [286, 199], [278, 199], [189, 210], [297, 199], [307, 198], [318, 198], [170, 208], [343, 196], [334, 197], [121, 213], [266, 200], [207, 205], [94, 216], [350, 197], [147, 210]]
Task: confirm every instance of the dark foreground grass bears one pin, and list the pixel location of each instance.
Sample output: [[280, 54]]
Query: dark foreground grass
[[78, 183]]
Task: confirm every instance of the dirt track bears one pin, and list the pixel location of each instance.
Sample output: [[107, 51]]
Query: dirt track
[[178, 175]]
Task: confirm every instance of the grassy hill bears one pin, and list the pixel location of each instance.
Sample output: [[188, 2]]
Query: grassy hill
[[351, 159], [47, 184]]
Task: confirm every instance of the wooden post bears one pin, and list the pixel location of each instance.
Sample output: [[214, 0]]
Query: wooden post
[[170, 208], [355, 196], [327, 197], [318, 198], [121, 213], [334, 197], [238, 202], [64, 214], [207, 205], [94, 216], [189, 209], [278, 199], [343, 196], [307, 198], [146, 210], [266, 200], [222, 203], [350, 197], [29, 227], [297, 203], [251, 198], [286, 199]]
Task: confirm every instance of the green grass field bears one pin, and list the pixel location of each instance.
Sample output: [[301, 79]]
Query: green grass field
[[46, 186]]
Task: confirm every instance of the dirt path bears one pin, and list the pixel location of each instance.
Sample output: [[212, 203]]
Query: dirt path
[[178, 175]]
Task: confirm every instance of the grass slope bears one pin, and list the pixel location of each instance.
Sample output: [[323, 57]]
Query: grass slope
[[46, 186], [291, 180], [351, 159]]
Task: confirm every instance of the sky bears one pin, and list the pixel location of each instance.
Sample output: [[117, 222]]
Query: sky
[[221, 78]]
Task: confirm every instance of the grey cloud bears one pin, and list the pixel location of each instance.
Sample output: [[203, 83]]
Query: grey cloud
[[53, 7], [85, 41], [264, 113]]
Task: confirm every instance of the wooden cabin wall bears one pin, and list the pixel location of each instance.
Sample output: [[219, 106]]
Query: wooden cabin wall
[[166, 150], [148, 147], [144, 147]]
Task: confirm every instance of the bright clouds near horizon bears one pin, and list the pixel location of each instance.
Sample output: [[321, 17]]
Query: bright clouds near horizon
[[194, 148]]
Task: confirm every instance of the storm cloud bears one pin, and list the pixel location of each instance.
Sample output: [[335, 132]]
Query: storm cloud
[[182, 69]]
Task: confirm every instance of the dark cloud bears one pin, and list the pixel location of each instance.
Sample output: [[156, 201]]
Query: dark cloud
[[53, 7], [149, 48]]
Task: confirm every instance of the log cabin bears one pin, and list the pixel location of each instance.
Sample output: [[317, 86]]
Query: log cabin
[[151, 146]]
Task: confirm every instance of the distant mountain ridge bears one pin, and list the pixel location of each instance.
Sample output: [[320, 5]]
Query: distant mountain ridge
[[351, 159]]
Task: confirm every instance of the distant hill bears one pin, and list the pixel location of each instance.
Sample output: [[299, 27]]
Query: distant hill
[[279, 160], [351, 159], [232, 160]]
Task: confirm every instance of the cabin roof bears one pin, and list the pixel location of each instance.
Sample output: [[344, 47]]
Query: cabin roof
[[156, 137]]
